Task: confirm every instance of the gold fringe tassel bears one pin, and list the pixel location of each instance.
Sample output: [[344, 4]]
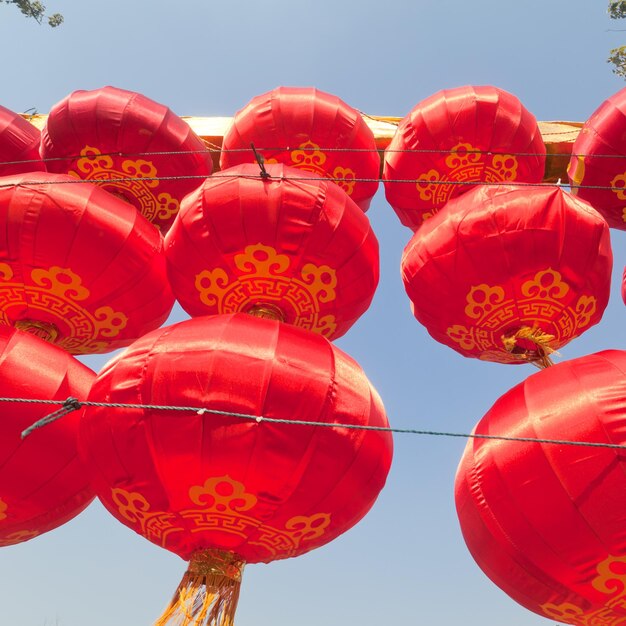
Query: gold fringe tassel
[[208, 593], [538, 354]]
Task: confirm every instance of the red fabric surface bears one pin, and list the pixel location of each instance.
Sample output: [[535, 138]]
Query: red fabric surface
[[263, 491], [43, 484], [451, 127], [599, 159], [502, 258], [301, 246], [87, 130], [311, 130], [547, 523], [19, 141], [74, 256]]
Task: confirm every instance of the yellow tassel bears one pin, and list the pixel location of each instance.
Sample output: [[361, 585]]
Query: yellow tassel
[[530, 344], [208, 593]]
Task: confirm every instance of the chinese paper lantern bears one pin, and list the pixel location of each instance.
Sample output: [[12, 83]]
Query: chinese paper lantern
[[310, 130], [78, 266], [19, 144], [624, 286], [124, 142], [546, 522], [42, 481], [298, 250], [221, 491], [509, 274], [454, 138], [597, 168]]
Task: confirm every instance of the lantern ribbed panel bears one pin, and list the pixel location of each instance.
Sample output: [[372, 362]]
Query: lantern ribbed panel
[[261, 491], [101, 135], [547, 523], [43, 484], [303, 247], [599, 160], [311, 130], [19, 141], [502, 259], [75, 257], [468, 134]]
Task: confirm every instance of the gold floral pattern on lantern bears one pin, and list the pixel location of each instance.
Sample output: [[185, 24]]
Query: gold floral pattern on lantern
[[222, 505], [56, 310], [263, 278], [310, 158], [494, 311], [134, 180], [17, 537], [464, 163], [608, 581]]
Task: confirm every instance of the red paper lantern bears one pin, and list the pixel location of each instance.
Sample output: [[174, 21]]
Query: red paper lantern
[[124, 142], [220, 490], [454, 138], [546, 522], [43, 484], [19, 144], [78, 267], [597, 168], [298, 250], [509, 274], [310, 130]]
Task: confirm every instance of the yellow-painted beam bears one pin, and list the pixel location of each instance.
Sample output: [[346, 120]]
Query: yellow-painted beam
[[558, 137]]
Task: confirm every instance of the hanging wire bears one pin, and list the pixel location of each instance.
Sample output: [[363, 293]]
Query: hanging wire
[[213, 148], [225, 174], [72, 404]]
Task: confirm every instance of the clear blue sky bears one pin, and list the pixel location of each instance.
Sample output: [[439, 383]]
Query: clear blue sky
[[406, 562]]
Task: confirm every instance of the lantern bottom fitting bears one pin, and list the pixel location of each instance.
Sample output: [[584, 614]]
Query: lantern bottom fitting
[[266, 311], [44, 330], [529, 344], [208, 593]]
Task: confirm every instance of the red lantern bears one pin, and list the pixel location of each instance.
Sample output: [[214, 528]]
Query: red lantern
[[78, 266], [124, 141], [298, 250], [310, 130], [597, 168], [546, 522], [42, 482], [509, 274], [19, 144], [454, 138], [220, 490], [624, 286]]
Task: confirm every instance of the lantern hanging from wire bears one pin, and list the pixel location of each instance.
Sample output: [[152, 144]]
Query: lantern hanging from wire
[[312, 131], [509, 274], [220, 490], [129, 144], [19, 145], [297, 250], [545, 522], [43, 484], [454, 139], [597, 168], [78, 267]]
